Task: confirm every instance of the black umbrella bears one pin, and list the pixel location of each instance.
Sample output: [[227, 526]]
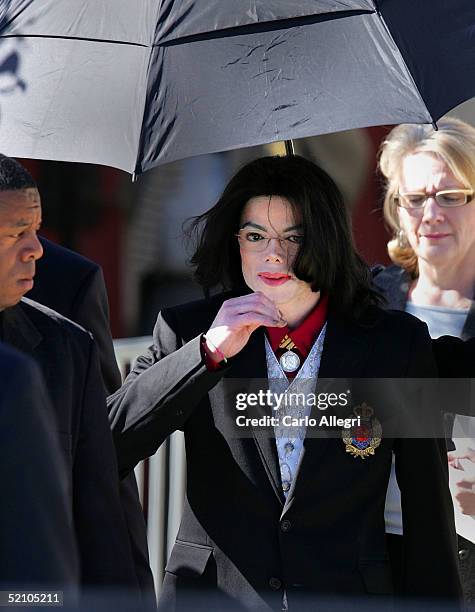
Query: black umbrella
[[136, 84]]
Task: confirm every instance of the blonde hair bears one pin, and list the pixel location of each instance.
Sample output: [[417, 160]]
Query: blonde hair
[[453, 142]]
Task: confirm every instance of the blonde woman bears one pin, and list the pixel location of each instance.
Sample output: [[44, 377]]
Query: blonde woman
[[430, 206]]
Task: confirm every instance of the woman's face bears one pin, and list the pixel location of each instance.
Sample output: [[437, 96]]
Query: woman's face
[[270, 270], [438, 235]]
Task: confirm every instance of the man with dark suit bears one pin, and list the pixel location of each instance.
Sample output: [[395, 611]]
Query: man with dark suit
[[74, 286], [38, 547], [275, 511], [67, 356]]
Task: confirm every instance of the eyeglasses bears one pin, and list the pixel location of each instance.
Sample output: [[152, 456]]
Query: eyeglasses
[[250, 240], [448, 198]]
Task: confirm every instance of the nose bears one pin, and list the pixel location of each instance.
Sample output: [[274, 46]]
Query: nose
[[433, 213], [32, 249], [275, 250]]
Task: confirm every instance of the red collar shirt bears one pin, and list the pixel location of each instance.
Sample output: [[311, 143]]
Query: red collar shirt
[[302, 336]]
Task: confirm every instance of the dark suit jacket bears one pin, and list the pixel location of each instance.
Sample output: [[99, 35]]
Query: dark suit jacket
[[238, 534], [37, 544], [68, 360], [74, 286]]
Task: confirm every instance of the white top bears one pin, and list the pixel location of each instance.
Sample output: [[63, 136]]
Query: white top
[[440, 321]]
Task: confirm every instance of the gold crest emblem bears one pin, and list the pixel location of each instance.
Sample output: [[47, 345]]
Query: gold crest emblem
[[362, 440]]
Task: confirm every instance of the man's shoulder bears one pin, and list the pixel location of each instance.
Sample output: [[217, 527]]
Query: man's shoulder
[[13, 362], [48, 320], [55, 253], [60, 267]]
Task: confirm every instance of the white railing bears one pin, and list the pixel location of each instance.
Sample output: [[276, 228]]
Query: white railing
[[160, 479]]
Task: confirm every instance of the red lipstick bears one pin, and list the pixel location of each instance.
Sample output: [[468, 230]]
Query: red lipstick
[[274, 278]]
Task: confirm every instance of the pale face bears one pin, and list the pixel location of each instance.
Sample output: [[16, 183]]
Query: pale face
[[270, 271], [20, 219], [438, 236]]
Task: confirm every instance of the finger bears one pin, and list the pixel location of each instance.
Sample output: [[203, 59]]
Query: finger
[[468, 456], [256, 319], [466, 483], [253, 299], [269, 311]]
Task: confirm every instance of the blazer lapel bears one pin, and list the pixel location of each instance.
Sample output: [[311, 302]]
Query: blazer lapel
[[345, 352], [19, 331], [250, 368]]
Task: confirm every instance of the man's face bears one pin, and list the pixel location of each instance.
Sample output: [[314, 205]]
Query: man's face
[[269, 270], [20, 219]]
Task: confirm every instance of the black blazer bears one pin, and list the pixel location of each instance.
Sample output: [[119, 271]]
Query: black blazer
[[74, 286], [238, 534], [38, 547], [68, 360]]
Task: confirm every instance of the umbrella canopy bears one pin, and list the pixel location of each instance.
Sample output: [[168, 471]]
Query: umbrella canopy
[[136, 84]]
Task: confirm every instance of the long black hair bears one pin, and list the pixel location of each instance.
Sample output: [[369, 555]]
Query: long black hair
[[327, 258]]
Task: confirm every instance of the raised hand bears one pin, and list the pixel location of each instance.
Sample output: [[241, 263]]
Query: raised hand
[[236, 320]]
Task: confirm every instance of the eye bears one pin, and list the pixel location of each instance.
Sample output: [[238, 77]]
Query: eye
[[414, 199], [456, 197], [295, 239], [18, 235], [253, 236]]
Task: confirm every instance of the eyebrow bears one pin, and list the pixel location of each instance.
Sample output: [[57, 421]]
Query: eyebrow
[[264, 229], [22, 223]]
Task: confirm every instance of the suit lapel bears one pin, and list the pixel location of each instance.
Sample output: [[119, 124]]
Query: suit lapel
[[250, 368], [345, 352], [19, 331]]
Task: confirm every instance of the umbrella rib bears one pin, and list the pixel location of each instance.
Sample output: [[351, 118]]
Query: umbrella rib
[[81, 38]]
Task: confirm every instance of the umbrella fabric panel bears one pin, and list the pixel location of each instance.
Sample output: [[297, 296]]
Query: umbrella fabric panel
[[437, 42], [270, 86], [81, 95], [181, 18], [125, 21]]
